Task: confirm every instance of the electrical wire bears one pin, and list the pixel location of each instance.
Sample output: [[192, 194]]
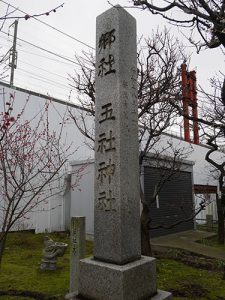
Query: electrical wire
[[4, 38], [50, 52], [43, 49], [42, 78], [46, 57], [44, 70], [86, 54], [38, 88], [52, 27]]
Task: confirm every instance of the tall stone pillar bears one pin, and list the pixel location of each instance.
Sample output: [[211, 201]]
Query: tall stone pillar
[[117, 218], [117, 270]]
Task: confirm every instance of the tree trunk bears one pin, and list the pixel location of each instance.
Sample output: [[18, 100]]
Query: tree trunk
[[220, 215], [145, 235], [2, 246]]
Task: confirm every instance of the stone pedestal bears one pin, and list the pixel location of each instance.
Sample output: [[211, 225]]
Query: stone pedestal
[[133, 281], [48, 264]]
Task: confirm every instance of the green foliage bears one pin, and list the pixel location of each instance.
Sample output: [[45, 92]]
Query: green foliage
[[203, 227], [205, 242], [181, 279], [213, 242], [13, 298], [20, 272], [174, 253], [20, 266]]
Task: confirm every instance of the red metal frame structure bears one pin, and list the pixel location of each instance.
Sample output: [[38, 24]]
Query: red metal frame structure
[[189, 95]]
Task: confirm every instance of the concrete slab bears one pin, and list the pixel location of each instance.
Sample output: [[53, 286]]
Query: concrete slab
[[187, 241], [162, 295]]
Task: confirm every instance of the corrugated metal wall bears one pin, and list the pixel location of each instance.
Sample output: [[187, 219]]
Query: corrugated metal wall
[[175, 200]]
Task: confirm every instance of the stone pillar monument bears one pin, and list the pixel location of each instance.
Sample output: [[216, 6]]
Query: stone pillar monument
[[117, 271], [77, 250]]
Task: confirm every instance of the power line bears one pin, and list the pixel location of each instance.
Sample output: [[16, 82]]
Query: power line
[[42, 78], [52, 59], [55, 74], [48, 51], [56, 84], [43, 49], [19, 44], [48, 58], [52, 53], [27, 16], [5, 38], [39, 89], [38, 94], [50, 26], [8, 40], [66, 34], [51, 87]]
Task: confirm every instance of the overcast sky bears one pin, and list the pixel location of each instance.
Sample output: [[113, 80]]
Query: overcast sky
[[45, 73]]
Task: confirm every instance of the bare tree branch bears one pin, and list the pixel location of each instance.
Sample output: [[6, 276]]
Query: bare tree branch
[[33, 162], [8, 16], [207, 17]]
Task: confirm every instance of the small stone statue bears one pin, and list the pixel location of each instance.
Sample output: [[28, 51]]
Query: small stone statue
[[52, 250]]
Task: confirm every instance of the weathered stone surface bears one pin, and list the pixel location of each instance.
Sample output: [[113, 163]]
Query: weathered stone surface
[[77, 249], [117, 271], [117, 219], [162, 295], [209, 222], [52, 250], [133, 281], [72, 296]]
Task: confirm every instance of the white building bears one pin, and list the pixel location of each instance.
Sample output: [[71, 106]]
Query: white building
[[54, 214]]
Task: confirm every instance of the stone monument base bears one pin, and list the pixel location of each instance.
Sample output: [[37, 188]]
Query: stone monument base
[[161, 295], [134, 281], [48, 264]]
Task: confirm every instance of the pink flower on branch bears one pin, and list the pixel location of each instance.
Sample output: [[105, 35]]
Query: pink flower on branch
[[32, 161]]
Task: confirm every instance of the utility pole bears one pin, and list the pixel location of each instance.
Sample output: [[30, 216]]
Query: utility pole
[[13, 53]]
